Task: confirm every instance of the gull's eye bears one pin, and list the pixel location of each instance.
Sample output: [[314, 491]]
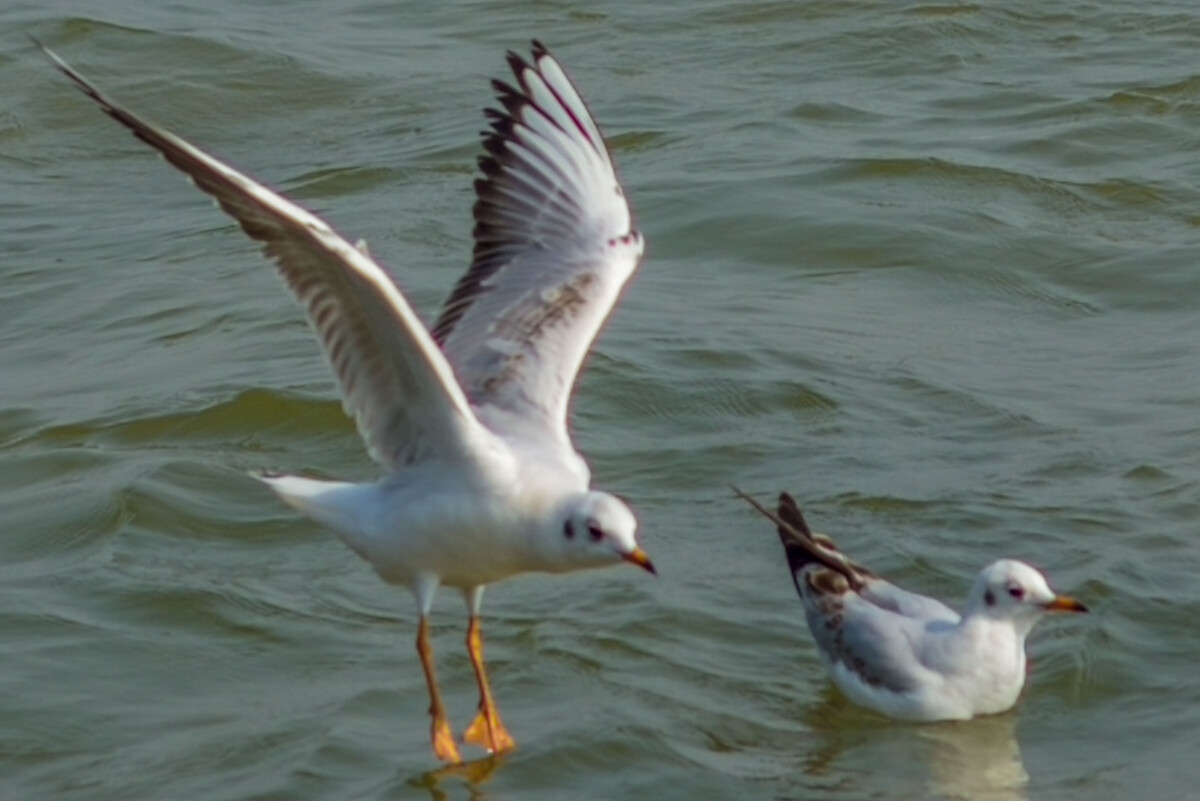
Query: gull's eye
[[1016, 593], [595, 533], [568, 530]]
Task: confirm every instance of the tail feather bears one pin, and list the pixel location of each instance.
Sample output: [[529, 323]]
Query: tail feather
[[330, 503]]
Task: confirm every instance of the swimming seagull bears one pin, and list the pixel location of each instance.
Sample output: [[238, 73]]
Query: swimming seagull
[[468, 419], [905, 655]]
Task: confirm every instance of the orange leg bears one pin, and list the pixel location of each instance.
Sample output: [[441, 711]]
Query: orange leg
[[440, 734], [487, 730]]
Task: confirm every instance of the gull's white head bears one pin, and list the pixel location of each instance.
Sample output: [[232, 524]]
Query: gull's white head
[[1012, 590], [595, 529]]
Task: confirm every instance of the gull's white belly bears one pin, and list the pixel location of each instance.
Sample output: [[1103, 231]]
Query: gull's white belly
[[465, 541], [450, 527]]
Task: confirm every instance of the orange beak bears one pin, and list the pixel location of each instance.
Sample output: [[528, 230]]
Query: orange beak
[[1065, 603], [639, 557]]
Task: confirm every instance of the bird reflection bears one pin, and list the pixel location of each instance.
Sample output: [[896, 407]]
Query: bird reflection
[[472, 774], [978, 760]]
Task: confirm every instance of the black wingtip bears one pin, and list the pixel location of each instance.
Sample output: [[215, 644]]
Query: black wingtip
[[518, 65], [789, 512], [76, 78], [800, 550], [50, 54], [799, 544]]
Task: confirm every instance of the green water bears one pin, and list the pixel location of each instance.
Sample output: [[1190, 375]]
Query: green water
[[930, 267]]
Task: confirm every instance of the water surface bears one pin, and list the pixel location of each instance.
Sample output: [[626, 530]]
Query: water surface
[[930, 267]]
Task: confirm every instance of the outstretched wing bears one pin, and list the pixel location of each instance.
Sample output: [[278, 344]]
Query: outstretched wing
[[554, 245], [394, 380]]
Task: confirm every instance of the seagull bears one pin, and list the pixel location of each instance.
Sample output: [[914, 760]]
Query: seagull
[[469, 418], [908, 656]]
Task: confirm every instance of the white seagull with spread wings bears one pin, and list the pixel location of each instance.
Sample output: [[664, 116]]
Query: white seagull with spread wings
[[469, 419], [909, 656]]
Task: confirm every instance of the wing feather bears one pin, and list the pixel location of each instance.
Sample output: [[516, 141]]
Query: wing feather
[[554, 246], [872, 645], [395, 381]]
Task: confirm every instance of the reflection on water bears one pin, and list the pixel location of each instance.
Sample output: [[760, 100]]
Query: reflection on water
[[473, 775], [928, 264], [978, 760]]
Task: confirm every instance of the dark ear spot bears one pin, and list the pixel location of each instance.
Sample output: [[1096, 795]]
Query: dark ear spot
[[989, 598], [568, 529]]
